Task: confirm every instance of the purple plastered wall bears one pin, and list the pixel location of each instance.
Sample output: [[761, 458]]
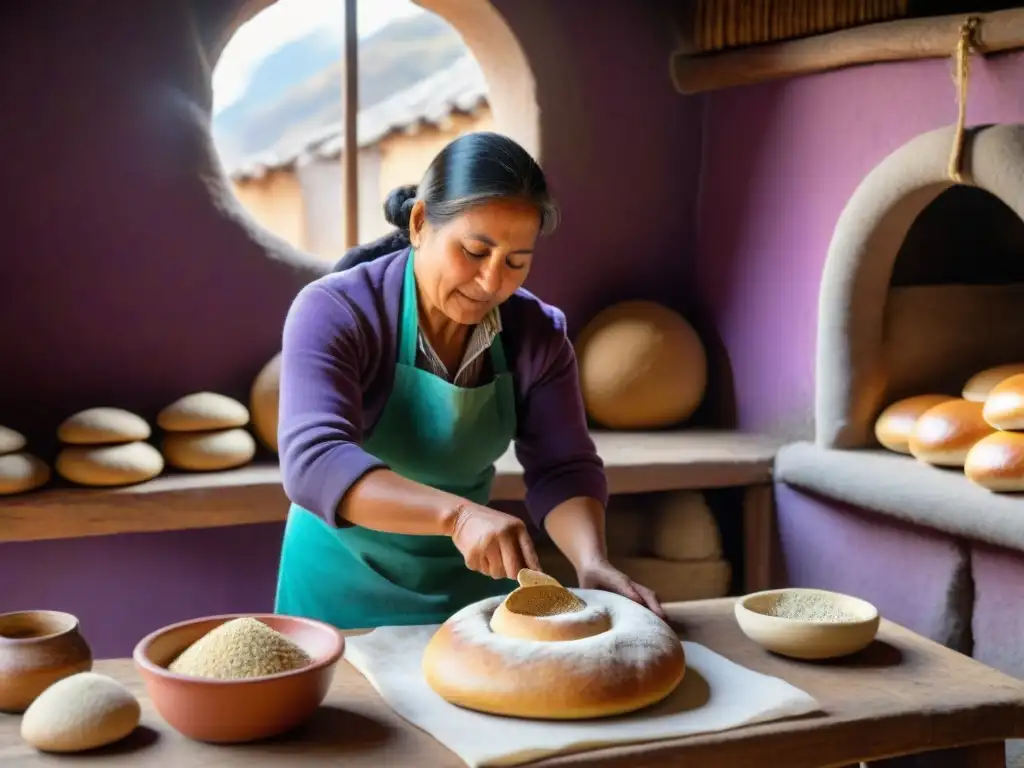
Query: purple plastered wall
[[122, 283], [780, 161]]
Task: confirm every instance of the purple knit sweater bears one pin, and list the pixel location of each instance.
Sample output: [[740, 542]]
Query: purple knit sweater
[[338, 366]]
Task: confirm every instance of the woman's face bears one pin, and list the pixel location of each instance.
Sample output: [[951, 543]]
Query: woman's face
[[473, 263]]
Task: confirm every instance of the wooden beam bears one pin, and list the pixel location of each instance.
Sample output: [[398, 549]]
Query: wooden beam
[[350, 148], [635, 462], [905, 39]]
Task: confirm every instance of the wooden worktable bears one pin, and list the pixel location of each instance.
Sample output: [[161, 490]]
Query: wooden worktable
[[903, 695]]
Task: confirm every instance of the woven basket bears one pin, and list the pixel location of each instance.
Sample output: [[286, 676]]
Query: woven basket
[[720, 24]]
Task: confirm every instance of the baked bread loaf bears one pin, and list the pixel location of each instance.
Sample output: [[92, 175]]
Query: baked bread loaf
[[996, 462], [980, 384], [894, 425], [946, 432], [1004, 408], [548, 653]]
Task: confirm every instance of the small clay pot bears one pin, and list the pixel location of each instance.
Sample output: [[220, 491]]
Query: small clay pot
[[38, 648]]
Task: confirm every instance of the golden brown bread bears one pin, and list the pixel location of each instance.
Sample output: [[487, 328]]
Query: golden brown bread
[[895, 423], [996, 462], [1004, 408], [548, 653], [946, 432], [979, 386]]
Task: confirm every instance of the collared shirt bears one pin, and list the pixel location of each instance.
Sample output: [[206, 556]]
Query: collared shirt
[[474, 369]]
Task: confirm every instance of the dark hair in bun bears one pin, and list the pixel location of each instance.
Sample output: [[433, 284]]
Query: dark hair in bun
[[472, 169], [398, 206]]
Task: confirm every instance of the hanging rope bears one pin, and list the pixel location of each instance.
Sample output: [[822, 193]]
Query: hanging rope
[[961, 71]]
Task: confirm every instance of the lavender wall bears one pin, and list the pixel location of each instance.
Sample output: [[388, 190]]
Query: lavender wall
[[780, 161], [122, 283]]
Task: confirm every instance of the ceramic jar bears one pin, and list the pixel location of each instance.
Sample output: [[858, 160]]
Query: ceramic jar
[[38, 648]]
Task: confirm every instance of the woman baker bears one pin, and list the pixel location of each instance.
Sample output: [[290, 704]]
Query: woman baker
[[405, 375]]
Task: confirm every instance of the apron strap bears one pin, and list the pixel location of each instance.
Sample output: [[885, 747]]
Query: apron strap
[[409, 319], [498, 361]]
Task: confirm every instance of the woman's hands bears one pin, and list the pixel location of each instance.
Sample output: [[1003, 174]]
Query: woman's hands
[[492, 542], [600, 574]]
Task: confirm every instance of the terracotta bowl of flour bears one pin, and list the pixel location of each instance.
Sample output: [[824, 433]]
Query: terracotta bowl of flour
[[807, 623], [231, 711]]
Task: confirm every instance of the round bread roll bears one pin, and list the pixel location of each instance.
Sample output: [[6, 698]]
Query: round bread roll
[[895, 423], [1004, 408], [209, 451], [22, 472], [548, 653], [946, 432], [980, 384], [263, 402], [11, 441], [80, 713], [103, 426], [996, 462], [202, 412], [109, 465]]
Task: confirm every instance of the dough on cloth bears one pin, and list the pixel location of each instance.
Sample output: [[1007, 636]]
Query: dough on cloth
[[616, 657]]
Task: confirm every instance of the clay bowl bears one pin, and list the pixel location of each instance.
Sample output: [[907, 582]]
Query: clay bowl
[[38, 648], [808, 639], [236, 711]]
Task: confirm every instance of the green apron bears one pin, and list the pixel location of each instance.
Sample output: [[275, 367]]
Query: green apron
[[435, 433]]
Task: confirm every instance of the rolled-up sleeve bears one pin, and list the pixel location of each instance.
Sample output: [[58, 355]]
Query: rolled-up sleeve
[[320, 421], [553, 443]]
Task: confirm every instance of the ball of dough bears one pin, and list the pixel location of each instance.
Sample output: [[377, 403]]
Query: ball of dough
[[895, 423], [80, 712], [21, 473], [202, 412], [641, 366], [980, 384], [540, 655], [109, 465], [1004, 408], [103, 426], [209, 451], [683, 528], [996, 462], [946, 432], [11, 441], [263, 402]]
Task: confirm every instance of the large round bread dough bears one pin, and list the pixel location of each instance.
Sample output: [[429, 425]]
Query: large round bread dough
[[202, 412], [103, 426], [209, 451], [263, 402], [683, 528], [543, 655], [11, 441], [109, 465], [894, 424], [996, 462], [980, 384], [642, 366], [80, 712], [22, 472], [1004, 408], [946, 432]]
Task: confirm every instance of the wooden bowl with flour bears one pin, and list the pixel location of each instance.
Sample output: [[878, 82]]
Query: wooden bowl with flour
[[807, 623]]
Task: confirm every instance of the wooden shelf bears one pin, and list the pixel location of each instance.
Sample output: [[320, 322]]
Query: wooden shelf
[[635, 463], [925, 38]]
